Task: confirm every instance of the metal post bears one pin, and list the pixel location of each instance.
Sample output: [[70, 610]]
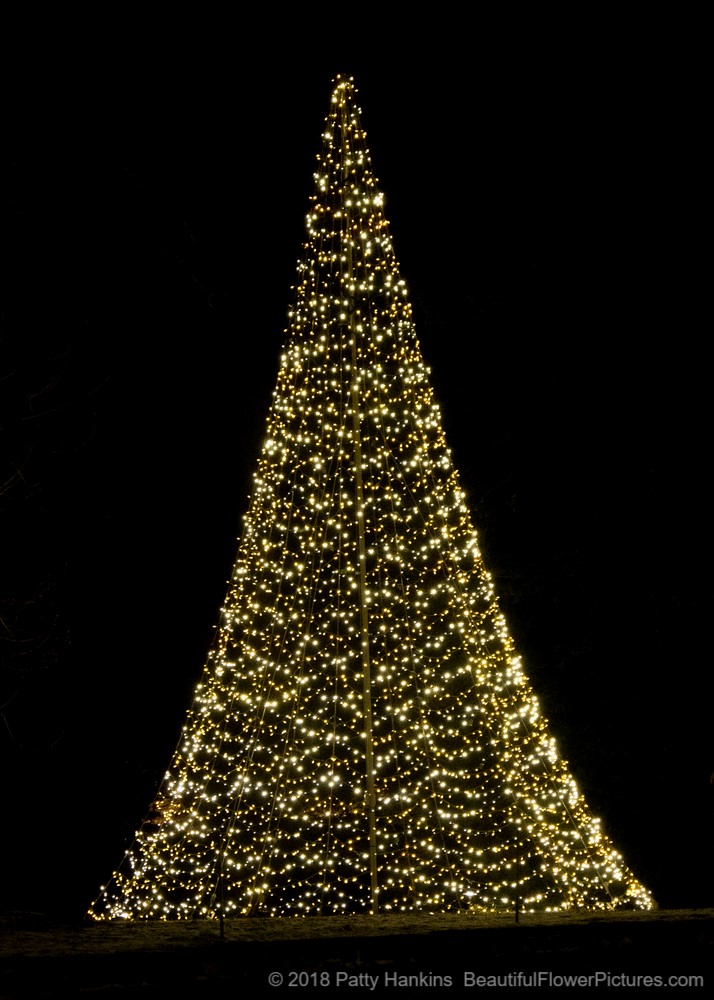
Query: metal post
[[371, 802]]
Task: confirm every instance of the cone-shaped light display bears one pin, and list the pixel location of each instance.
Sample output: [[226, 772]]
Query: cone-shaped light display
[[363, 736]]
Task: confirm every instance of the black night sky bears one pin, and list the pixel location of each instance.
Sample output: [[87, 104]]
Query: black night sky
[[546, 208]]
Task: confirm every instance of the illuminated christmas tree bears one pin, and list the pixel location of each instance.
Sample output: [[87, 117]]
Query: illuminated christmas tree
[[363, 736]]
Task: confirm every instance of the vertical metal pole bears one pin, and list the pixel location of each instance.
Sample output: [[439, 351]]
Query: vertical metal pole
[[221, 905], [518, 875], [371, 802]]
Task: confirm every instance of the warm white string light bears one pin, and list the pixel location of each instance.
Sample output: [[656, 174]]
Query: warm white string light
[[343, 576]]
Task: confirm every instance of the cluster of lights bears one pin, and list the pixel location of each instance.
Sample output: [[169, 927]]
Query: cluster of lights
[[363, 735]]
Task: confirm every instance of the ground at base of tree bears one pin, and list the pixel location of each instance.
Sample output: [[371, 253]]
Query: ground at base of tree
[[40, 957]]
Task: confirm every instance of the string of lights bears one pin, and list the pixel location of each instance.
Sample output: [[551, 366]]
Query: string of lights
[[363, 736]]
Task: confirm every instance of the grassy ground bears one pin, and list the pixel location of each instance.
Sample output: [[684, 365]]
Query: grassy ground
[[44, 958]]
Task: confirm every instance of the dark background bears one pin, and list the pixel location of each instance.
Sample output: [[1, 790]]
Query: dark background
[[544, 185]]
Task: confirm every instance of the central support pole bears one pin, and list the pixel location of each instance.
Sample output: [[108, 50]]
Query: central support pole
[[370, 797]]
